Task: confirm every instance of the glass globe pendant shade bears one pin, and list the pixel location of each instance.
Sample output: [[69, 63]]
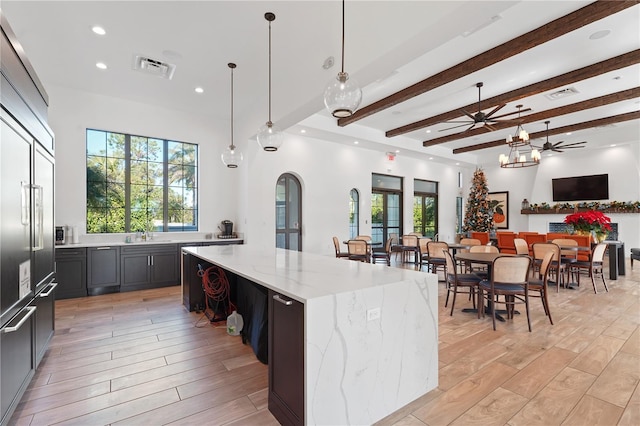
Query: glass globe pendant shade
[[270, 137], [342, 96], [231, 157]]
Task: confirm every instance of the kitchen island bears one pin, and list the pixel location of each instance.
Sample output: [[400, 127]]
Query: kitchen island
[[368, 339]]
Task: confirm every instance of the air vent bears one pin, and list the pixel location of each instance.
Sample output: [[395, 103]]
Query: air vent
[[562, 93], [153, 67]]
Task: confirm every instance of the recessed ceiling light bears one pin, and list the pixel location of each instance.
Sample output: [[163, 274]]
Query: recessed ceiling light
[[568, 133], [428, 130], [430, 158], [457, 164], [199, 90], [599, 34], [98, 30], [613, 144], [101, 65], [356, 142], [397, 151], [303, 131]]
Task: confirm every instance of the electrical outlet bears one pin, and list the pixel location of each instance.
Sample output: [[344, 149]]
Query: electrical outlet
[[373, 314]]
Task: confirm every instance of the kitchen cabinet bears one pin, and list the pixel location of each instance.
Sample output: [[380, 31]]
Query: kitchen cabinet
[[149, 266], [44, 303], [103, 269], [286, 359], [192, 293], [71, 272], [17, 360]]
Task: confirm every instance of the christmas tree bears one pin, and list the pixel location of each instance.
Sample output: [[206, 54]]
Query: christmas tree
[[478, 215]]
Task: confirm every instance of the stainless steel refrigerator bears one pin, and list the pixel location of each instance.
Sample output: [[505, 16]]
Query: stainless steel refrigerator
[[27, 287]]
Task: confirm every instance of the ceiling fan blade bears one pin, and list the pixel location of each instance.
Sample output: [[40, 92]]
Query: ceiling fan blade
[[574, 145], [489, 127], [557, 150], [471, 116], [455, 127], [493, 111], [511, 113], [470, 127], [557, 143]]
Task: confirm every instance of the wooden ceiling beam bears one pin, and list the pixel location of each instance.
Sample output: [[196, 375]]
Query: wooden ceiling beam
[[559, 27], [590, 71], [543, 115], [634, 115]]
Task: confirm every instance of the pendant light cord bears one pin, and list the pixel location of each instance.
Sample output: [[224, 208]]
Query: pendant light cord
[[232, 145], [342, 36], [269, 71]]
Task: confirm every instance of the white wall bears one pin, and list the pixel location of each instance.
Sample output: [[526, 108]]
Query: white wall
[[327, 171], [621, 163], [72, 112]]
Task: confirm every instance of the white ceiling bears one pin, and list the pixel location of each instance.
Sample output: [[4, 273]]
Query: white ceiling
[[389, 46]]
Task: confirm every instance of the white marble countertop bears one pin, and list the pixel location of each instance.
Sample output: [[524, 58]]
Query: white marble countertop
[[302, 276], [149, 242]]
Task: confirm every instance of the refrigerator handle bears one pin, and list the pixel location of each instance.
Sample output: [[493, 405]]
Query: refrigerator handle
[[24, 203], [16, 327], [38, 243]]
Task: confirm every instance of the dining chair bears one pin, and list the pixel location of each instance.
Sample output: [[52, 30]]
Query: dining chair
[[410, 245], [522, 248], [556, 266], [422, 249], [540, 284], [339, 254], [477, 268], [435, 259], [482, 236], [358, 250], [464, 265], [383, 254], [567, 254], [459, 283], [395, 244], [594, 266], [366, 238], [509, 278]]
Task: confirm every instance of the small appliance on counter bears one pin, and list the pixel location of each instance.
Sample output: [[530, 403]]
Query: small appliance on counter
[[226, 229], [60, 235]]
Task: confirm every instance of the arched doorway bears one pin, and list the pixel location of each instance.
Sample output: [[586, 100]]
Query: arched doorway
[[288, 212]]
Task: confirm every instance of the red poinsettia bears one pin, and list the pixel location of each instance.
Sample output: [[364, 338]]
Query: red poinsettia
[[592, 220]]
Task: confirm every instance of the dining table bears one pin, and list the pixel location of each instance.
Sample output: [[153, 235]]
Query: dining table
[[484, 259]]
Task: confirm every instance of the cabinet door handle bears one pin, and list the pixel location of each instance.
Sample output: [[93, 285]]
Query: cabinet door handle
[[277, 298], [152, 260], [148, 260], [103, 248], [24, 319], [53, 287]]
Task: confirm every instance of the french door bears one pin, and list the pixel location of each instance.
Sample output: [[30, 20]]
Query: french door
[[288, 213]]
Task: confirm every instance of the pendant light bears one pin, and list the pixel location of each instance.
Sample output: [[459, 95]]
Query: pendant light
[[343, 95], [269, 136], [231, 157]]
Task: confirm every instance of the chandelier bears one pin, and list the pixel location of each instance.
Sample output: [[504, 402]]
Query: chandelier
[[521, 153]]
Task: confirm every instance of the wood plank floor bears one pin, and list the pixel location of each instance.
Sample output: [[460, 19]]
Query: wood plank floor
[[139, 358]]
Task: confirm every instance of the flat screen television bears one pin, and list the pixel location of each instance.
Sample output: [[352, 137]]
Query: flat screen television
[[581, 188]]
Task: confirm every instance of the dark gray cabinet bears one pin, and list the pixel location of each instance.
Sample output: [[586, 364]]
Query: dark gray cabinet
[[149, 266], [286, 359], [103, 269], [71, 272], [45, 319]]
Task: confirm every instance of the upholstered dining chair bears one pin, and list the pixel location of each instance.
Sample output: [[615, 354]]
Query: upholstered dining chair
[[383, 254], [522, 248], [556, 267], [479, 269], [358, 250], [540, 284], [567, 254], [509, 278], [594, 266], [435, 250], [339, 254], [466, 266], [409, 246], [459, 283]]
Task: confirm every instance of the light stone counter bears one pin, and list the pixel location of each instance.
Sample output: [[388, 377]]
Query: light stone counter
[[359, 368], [148, 242]]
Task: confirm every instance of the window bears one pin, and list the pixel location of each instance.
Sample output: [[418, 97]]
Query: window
[[354, 213], [137, 184], [425, 207], [458, 215], [386, 207]]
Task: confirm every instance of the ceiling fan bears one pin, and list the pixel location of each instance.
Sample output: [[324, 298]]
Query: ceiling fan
[[481, 118], [558, 146]]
